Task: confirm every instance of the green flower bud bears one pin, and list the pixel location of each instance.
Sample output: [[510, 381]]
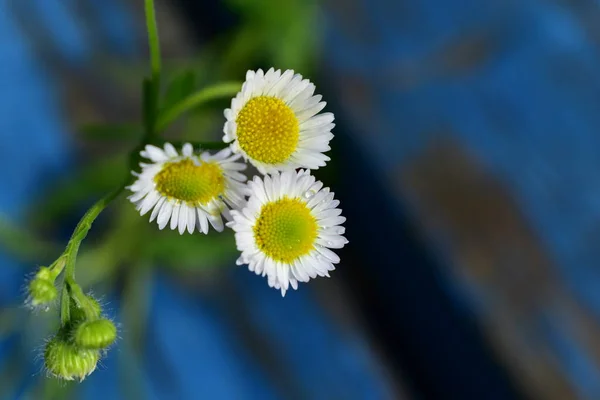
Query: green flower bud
[[66, 361], [96, 335], [78, 314], [41, 289]]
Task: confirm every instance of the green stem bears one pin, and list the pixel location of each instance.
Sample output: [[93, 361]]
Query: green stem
[[72, 249], [82, 230], [153, 40], [65, 305], [225, 89], [151, 86]]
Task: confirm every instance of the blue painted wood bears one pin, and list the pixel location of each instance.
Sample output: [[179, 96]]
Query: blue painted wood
[[515, 83]]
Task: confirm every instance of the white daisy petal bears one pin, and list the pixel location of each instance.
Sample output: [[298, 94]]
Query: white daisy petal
[[281, 236], [216, 222], [157, 208], [182, 219], [175, 216], [170, 150], [180, 187], [165, 215], [149, 202], [154, 153], [330, 255], [188, 150], [202, 221], [191, 219]]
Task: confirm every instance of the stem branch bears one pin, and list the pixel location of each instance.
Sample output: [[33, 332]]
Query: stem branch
[[225, 89]]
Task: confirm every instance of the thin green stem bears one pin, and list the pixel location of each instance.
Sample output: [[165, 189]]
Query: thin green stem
[[83, 228], [151, 86], [65, 305], [80, 232], [153, 40], [220, 90]]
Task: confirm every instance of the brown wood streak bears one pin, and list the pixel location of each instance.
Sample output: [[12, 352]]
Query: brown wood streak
[[469, 215]]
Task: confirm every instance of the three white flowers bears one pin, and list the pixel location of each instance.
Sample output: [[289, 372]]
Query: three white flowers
[[289, 222]]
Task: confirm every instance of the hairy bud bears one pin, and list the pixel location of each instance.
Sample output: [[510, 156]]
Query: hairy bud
[[41, 289], [97, 334], [66, 361]]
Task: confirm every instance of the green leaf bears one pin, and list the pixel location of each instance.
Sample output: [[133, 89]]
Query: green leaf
[[181, 86], [111, 131], [210, 93]]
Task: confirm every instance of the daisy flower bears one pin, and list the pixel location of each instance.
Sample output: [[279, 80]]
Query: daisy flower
[[186, 189], [287, 228], [273, 122]]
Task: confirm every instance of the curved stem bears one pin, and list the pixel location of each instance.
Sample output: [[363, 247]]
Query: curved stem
[[80, 232], [225, 89], [83, 228]]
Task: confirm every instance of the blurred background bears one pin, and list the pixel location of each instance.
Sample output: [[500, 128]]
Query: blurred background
[[466, 159]]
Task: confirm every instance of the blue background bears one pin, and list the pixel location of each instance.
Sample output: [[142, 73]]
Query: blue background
[[510, 84]]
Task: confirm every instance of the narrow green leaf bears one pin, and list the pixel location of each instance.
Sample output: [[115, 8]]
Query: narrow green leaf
[[210, 93], [181, 86]]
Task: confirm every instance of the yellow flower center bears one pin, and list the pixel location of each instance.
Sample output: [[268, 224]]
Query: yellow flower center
[[285, 230], [184, 180], [267, 129]]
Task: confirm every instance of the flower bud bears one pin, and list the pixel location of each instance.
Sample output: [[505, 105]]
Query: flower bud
[[66, 361], [41, 289], [97, 334], [78, 314]]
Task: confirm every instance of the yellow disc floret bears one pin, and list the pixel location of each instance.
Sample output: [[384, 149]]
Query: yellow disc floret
[[190, 182], [267, 129], [285, 230]]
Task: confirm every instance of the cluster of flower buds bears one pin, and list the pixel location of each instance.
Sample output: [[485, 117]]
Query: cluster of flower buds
[[75, 350]]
